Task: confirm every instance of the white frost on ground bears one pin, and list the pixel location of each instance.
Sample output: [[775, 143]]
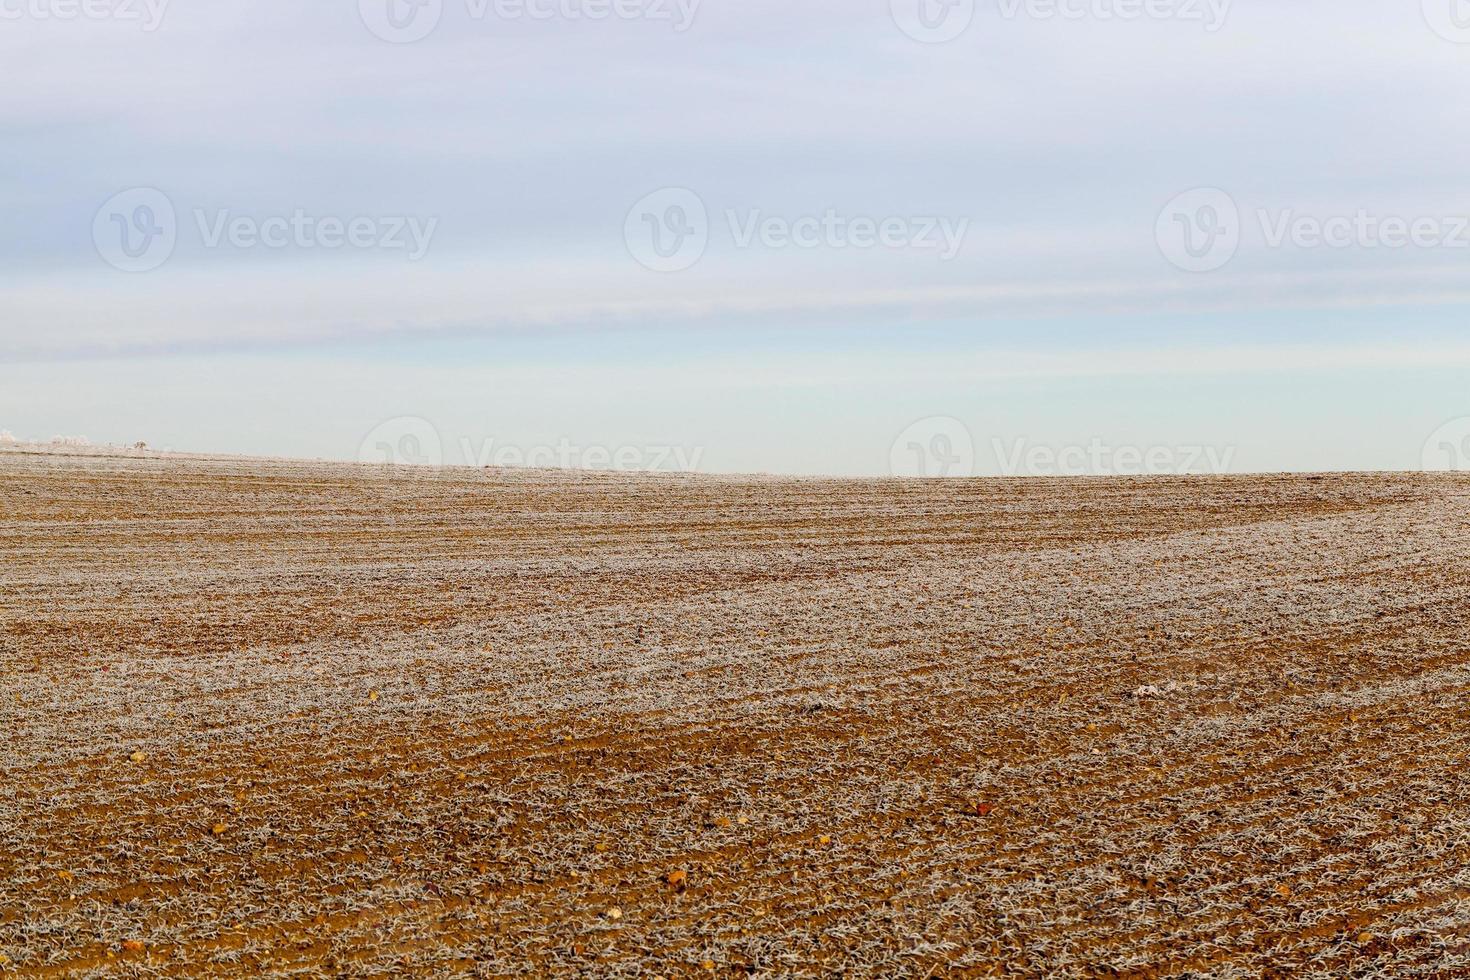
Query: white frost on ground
[[1040, 728]]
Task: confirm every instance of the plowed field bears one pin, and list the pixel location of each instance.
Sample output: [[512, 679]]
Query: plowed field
[[319, 719]]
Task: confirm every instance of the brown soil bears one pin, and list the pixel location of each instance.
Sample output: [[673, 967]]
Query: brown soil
[[320, 719]]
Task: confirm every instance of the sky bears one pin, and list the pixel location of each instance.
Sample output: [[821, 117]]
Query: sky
[[866, 237]]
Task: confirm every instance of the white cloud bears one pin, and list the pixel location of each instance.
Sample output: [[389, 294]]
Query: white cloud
[[1059, 141]]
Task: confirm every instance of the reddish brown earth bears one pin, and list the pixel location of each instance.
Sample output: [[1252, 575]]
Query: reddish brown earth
[[319, 719]]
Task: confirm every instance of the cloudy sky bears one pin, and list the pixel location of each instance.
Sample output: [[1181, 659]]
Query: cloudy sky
[[771, 236]]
